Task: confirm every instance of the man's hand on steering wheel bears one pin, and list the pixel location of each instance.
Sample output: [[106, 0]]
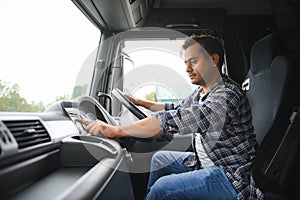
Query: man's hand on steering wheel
[[133, 99], [129, 104]]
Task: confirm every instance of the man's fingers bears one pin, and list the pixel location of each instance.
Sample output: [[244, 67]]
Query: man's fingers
[[127, 96], [82, 121], [91, 127]]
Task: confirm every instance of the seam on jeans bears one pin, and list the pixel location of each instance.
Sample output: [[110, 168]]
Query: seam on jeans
[[168, 195]]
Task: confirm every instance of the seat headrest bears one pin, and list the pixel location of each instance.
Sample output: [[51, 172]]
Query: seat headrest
[[264, 51]]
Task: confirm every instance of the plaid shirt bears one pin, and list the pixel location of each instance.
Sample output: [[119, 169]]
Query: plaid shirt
[[223, 119]]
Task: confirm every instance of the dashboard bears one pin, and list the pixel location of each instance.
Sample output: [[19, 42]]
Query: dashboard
[[42, 154]]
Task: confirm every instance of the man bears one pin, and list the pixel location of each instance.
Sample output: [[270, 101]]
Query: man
[[218, 114]]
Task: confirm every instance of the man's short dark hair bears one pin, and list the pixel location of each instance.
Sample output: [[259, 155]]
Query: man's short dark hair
[[209, 43]]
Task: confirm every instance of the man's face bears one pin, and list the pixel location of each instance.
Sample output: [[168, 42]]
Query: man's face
[[200, 67]]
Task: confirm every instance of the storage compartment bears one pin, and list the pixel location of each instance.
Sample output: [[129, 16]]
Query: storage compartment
[[116, 15], [65, 173], [84, 150], [102, 143]]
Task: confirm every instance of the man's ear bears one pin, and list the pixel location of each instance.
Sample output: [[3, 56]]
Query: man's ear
[[216, 58]]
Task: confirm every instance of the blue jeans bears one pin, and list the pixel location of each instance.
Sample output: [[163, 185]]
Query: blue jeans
[[174, 181]]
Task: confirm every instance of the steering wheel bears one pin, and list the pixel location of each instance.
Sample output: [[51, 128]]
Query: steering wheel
[[133, 109], [128, 104], [88, 108]]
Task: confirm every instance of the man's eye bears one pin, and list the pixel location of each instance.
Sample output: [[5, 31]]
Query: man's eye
[[193, 62]]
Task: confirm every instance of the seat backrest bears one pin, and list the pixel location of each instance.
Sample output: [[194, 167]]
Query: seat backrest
[[267, 83], [271, 86]]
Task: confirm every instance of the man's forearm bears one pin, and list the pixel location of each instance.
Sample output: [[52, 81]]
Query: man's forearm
[[145, 128], [153, 106]]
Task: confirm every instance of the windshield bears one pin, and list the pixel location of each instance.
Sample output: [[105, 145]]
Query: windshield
[[158, 73], [48, 50]]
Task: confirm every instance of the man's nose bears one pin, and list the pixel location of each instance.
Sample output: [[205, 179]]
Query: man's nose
[[188, 67]]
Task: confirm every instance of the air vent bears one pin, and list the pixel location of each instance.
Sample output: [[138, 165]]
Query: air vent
[[28, 132]]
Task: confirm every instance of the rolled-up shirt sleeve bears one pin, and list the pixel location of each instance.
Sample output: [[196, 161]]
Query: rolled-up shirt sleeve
[[198, 117], [166, 118], [169, 106]]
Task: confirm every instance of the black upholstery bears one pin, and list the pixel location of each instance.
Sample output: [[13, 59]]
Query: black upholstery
[[271, 86], [268, 82], [264, 51]]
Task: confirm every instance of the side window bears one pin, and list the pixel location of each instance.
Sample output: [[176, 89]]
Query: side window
[[155, 70], [48, 51]]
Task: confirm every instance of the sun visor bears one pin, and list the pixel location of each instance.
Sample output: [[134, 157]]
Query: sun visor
[[115, 15]]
